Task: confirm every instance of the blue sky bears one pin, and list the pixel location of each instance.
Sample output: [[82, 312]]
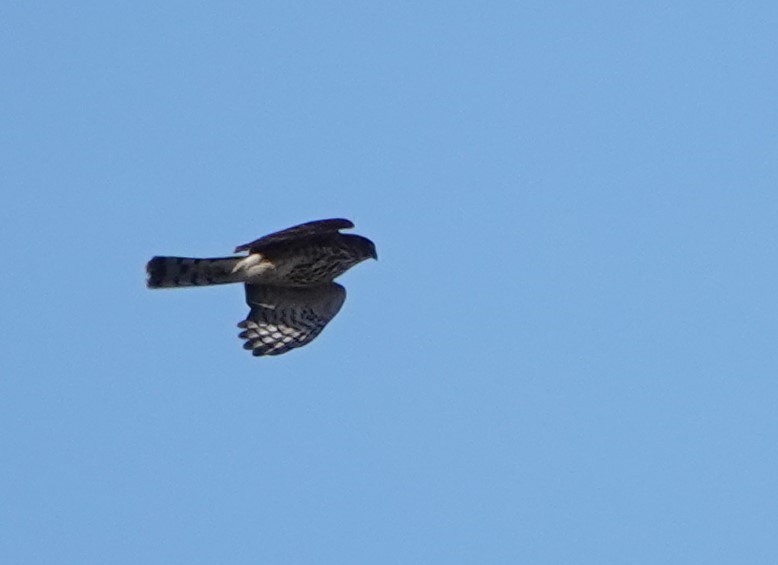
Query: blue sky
[[565, 354]]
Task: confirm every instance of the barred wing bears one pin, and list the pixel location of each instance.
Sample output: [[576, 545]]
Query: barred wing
[[282, 318]]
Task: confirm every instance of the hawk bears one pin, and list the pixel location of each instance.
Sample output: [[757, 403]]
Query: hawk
[[288, 276]]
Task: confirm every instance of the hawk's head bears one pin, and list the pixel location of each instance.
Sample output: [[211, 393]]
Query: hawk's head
[[364, 248]]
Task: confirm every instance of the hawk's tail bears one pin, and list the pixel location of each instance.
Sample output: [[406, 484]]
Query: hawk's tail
[[167, 272]]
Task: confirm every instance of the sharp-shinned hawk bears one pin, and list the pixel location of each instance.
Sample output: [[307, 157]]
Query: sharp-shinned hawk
[[288, 276]]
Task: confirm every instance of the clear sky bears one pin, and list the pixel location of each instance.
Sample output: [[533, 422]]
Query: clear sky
[[566, 352]]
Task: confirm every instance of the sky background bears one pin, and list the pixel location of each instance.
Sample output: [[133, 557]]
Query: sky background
[[566, 352]]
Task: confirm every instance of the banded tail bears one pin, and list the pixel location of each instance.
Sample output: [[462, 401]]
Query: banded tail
[[169, 272]]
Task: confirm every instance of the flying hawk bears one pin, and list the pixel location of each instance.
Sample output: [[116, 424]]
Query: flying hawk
[[288, 277]]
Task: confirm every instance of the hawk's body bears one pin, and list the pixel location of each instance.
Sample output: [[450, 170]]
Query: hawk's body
[[289, 280]]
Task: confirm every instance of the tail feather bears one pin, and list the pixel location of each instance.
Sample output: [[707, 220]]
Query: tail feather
[[169, 272]]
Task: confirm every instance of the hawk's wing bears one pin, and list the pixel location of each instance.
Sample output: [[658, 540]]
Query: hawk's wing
[[318, 227], [282, 318]]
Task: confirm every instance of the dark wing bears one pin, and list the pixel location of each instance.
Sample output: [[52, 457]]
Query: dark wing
[[318, 227], [282, 318]]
